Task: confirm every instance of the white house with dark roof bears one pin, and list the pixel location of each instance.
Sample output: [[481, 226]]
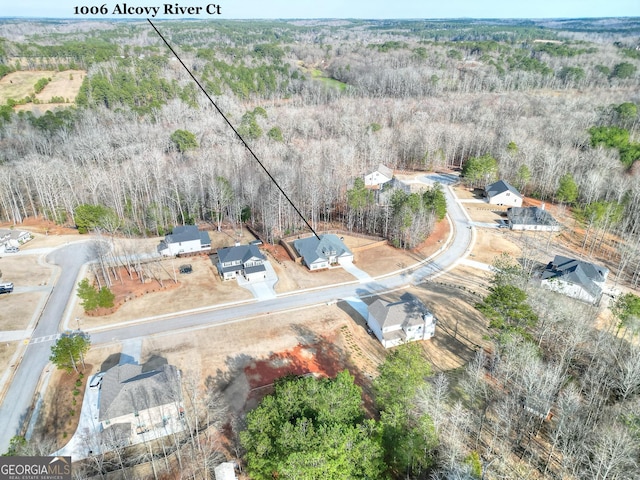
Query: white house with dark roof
[[378, 177], [184, 239], [328, 250], [134, 401], [503, 193], [399, 322], [575, 278], [241, 260], [13, 238], [531, 218]]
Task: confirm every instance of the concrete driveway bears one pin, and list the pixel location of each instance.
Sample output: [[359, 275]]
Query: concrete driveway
[[263, 289], [361, 275]]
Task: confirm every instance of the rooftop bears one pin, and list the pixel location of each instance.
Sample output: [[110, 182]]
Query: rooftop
[[499, 187], [311, 249], [243, 253], [586, 274], [530, 216], [187, 233], [127, 389], [407, 312]]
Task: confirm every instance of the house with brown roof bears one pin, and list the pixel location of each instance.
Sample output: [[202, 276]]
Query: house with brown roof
[[407, 320]]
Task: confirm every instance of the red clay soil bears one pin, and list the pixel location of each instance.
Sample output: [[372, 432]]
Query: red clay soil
[[40, 225], [277, 251], [301, 360], [128, 288], [324, 359], [437, 237]]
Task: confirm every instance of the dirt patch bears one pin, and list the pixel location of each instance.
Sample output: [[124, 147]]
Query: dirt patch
[[17, 309], [492, 243], [292, 276], [24, 270], [62, 405], [55, 419], [7, 349], [464, 193], [202, 288], [483, 212]]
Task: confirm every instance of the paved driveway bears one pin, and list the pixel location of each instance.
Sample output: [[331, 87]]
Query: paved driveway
[[361, 275], [263, 289]]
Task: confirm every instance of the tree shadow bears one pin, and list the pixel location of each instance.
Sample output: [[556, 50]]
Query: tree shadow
[[224, 378]]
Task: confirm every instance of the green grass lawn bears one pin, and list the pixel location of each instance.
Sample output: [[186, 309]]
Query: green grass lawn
[[319, 75]]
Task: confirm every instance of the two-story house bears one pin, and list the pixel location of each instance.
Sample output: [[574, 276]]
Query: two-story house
[[575, 278], [241, 260], [407, 320], [135, 402], [184, 239], [324, 252]]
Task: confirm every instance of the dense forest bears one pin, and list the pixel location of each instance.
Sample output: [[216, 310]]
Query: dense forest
[[551, 106], [321, 103]]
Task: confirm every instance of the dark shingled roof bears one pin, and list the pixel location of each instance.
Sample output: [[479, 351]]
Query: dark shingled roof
[[577, 272], [242, 253], [530, 216], [499, 187], [126, 389], [187, 233]]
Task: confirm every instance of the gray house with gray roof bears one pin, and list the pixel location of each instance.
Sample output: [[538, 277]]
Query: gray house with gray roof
[[575, 278], [140, 401], [407, 320], [328, 250], [241, 260], [531, 218]]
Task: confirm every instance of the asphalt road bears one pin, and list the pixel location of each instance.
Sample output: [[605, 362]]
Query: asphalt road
[[17, 401], [20, 394]]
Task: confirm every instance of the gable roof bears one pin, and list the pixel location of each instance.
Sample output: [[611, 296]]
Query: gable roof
[[578, 272], [187, 233], [384, 170], [127, 389], [499, 187], [404, 312], [240, 252], [311, 249], [530, 216]]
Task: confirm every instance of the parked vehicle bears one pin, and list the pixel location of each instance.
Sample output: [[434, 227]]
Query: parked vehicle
[[6, 287], [186, 268], [255, 242], [11, 249]]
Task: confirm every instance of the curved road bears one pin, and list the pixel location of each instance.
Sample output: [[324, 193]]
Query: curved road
[[20, 394], [17, 401]]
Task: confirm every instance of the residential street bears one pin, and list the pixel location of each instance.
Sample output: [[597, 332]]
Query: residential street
[[70, 258]]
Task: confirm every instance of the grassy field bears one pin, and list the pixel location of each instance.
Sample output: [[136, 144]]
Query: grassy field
[[18, 85]]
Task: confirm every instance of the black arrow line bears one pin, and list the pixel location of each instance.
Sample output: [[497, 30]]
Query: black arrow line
[[234, 130]]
